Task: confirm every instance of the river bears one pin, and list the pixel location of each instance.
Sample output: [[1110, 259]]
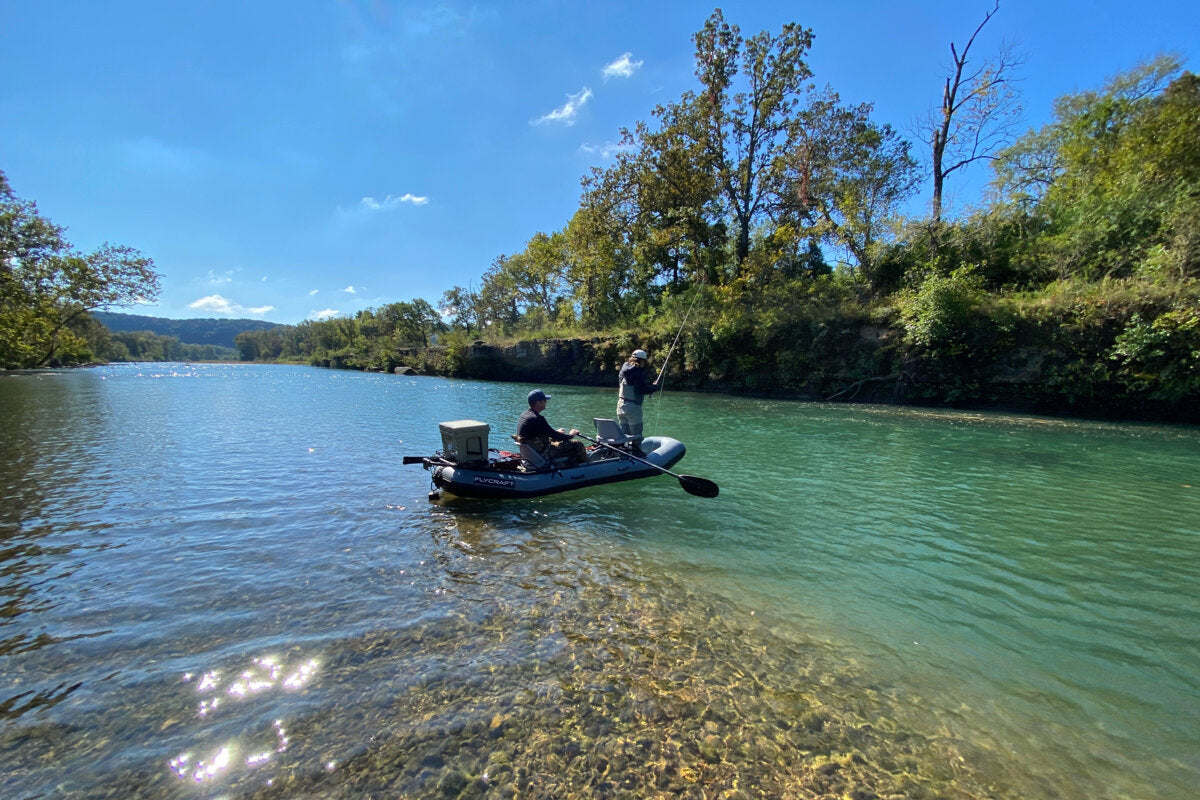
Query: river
[[222, 581]]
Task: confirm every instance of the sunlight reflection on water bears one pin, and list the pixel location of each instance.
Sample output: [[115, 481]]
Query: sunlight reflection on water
[[266, 674]]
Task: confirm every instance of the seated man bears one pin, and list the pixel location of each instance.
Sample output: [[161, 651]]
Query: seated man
[[534, 430]]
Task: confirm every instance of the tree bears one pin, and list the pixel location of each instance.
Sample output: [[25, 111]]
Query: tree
[[498, 297], [748, 136], [528, 286], [1113, 178], [979, 110], [46, 285], [418, 321], [660, 202], [850, 175], [462, 307], [540, 273], [600, 266]]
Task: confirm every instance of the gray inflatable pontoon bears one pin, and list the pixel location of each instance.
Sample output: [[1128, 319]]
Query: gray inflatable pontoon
[[512, 475]]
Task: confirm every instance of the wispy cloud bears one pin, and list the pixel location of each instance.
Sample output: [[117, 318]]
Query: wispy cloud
[[393, 201], [349, 289], [314, 291], [623, 67], [323, 314], [216, 304], [567, 112], [606, 151], [223, 279]]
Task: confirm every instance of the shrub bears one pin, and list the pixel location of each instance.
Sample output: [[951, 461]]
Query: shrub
[[937, 313]]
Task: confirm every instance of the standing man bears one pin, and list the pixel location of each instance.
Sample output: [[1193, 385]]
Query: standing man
[[633, 390]]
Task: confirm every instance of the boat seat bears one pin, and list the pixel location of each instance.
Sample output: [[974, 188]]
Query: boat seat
[[609, 432], [531, 459]]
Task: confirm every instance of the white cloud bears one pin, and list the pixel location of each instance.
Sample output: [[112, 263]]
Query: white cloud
[[623, 67], [216, 304], [393, 201], [213, 304], [567, 112], [220, 280], [606, 151], [325, 314], [314, 291], [349, 289]]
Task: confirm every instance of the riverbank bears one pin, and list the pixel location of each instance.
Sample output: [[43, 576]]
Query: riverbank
[[1056, 372]]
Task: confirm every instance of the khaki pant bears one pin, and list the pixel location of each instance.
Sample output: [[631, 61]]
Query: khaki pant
[[629, 417]]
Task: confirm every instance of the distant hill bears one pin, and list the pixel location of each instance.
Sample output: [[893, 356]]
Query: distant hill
[[189, 331]]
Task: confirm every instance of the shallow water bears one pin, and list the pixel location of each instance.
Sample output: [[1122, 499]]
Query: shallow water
[[221, 581]]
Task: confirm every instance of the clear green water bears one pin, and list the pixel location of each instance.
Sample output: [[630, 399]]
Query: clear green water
[[220, 581]]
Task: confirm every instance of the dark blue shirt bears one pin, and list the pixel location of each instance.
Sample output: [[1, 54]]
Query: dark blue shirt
[[533, 425]]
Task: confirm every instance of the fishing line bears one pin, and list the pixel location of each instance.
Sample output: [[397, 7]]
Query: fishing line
[[662, 372]]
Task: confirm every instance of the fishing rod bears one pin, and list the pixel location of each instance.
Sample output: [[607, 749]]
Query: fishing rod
[[667, 360], [670, 350]]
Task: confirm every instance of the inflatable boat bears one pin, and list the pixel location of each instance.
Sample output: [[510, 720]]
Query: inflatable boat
[[466, 467]]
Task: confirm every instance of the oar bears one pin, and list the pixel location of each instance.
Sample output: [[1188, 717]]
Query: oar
[[701, 487]]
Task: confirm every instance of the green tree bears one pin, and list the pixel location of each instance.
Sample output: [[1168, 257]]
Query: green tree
[[662, 201], [499, 299], [462, 307], [528, 287], [46, 286], [850, 177], [747, 127], [1115, 176], [418, 322]]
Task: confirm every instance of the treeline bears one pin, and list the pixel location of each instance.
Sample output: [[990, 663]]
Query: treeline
[[368, 340], [768, 212], [219, 332], [150, 346]]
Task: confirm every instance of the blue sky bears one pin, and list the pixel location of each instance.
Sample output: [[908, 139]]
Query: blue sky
[[297, 159]]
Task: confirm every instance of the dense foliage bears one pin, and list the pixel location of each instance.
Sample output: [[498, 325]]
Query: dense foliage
[[771, 209], [767, 214], [368, 340], [150, 346], [218, 332], [47, 287]]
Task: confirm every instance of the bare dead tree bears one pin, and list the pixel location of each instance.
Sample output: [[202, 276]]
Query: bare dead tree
[[980, 110]]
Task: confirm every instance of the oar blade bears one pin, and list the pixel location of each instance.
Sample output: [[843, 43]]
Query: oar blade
[[701, 487]]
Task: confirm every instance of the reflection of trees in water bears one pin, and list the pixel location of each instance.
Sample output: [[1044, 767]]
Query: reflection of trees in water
[[45, 442]]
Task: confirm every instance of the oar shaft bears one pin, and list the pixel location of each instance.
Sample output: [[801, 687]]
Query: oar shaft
[[629, 455]]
